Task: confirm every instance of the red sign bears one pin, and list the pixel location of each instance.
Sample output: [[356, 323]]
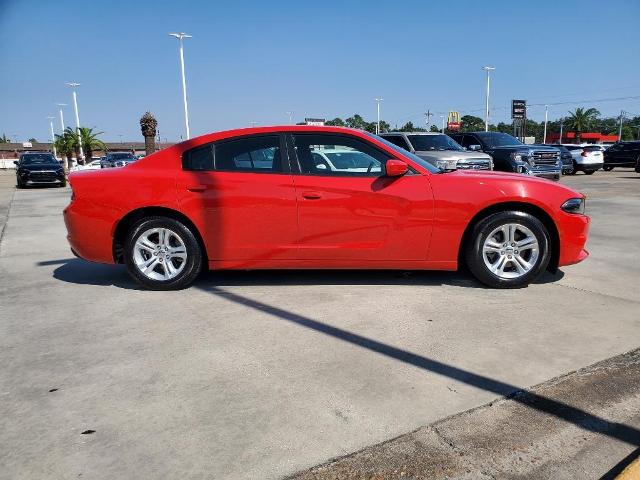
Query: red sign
[[453, 125]]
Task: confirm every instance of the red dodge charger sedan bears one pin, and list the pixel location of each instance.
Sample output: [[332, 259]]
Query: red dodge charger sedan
[[318, 197]]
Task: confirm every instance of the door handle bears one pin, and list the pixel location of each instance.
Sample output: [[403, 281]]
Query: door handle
[[197, 188], [311, 195]]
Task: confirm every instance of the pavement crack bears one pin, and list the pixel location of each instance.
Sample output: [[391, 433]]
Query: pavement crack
[[606, 295], [443, 438]]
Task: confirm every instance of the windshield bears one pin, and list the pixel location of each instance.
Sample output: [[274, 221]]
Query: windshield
[[344, 160], [121, 156], [497, 139], [403, 153], [423, 143], [35, 159]]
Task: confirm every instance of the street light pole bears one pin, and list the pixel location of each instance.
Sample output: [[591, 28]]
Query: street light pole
[[181, 36], [546, 119], [622, 112], [561, 125], [290, 117], [61, 116], [487, 69], [378, 100], [73, 85], [53, 137], [442, 117]]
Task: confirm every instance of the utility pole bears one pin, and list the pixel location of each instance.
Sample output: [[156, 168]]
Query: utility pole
[[546, 119], [53, 137], [61, 116], [290, 114], [181, 36], [442, 117], [378, 100], [622, 112], [428, 115], [73, 85], [561, 125], [487, 69]]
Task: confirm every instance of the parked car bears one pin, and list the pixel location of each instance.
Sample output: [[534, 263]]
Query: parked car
[[344, 160], [35, 168], [565, 157], [622, 154], [440, 150], [208, 203], [511, 155], [587, 159], [93, 165], [117, 159]]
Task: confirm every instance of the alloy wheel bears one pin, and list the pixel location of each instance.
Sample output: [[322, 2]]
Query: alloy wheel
[[510, 251], [160, 254]]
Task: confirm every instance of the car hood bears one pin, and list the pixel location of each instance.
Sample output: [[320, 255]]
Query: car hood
[[41, 166], [494, 178], [451, 155]]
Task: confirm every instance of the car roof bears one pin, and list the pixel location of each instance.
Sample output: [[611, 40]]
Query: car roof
[[413, 133]]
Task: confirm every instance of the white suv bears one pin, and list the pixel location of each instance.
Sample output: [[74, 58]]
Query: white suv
[[586, 158]]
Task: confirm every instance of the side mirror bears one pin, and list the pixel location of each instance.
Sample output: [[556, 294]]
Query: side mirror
[[475, 148], [15, 162], [396, 168]]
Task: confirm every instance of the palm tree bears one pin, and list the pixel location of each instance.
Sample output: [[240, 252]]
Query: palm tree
[[581, 120], [148, 126], [4, 139], [88, 139], [91, 142], [65, 145]]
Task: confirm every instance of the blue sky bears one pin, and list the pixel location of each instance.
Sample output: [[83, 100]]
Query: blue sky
[[252, 61]]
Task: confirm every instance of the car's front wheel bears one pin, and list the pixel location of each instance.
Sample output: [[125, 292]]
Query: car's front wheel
[[508, 249], [162, 253]]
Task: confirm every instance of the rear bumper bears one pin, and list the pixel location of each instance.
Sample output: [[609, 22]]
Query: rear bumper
[[590, 166], [574, 231], [89, 232]]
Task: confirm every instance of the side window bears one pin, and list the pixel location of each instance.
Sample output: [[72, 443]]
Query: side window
[[251, 154], [398, 140], [337, 155], [199, 158], [468, 140]]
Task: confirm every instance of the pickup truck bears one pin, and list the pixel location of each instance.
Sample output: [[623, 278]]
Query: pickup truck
[[511, 155], [439, 150]]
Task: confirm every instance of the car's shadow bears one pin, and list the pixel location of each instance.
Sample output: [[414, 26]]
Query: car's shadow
[[74, 270]]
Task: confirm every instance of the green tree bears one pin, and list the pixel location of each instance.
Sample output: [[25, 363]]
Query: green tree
[[33, 140], [356, 121], [582, 120], [410, 127], [434, 128], [4, 139], [471, 123], [65, 145], [336, 122], [88, 139], [148, 126]]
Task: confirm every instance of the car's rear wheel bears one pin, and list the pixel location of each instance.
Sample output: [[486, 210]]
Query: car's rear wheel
[[607, 168], [508, 249], [162, 253]]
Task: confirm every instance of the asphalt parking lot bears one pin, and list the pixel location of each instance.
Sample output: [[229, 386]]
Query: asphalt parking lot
[[264, 374]]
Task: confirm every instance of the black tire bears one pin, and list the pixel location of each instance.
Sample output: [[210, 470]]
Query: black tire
[[474, 255], [589, 172], [193, 262], [64, 183], [607, 168], [19, 184]]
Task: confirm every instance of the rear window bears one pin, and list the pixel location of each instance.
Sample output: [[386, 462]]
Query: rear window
[[594, 148]]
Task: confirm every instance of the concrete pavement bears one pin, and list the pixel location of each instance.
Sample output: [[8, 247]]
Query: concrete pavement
[[263, 374]]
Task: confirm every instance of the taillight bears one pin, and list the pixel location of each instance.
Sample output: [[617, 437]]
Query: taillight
[[584, 154]]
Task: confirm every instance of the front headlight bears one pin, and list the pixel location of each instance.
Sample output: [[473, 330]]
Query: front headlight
[[446, 164], [519, 156], [574, 205]]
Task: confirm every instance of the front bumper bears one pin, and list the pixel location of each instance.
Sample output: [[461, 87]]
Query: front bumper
[[573, 230], [41, 178]]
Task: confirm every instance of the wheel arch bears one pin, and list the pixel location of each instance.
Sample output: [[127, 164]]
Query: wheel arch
[[123, 225], [529, 208]]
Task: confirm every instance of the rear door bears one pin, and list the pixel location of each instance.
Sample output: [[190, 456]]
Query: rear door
[[348, 211], [241, 192]]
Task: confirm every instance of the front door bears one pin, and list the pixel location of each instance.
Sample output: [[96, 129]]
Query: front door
[[241, 191], [349, 211]]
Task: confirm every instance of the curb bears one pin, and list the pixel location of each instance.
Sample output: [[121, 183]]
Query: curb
[[632, 472]]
